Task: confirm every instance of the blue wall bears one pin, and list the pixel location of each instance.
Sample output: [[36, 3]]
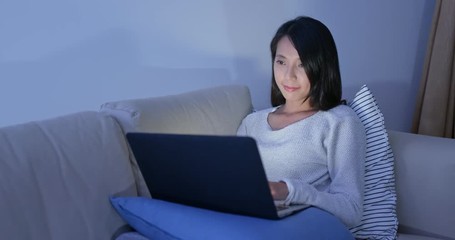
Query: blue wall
[[61, 56]]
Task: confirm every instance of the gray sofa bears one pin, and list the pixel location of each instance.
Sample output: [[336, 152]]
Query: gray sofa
[[57, 175]]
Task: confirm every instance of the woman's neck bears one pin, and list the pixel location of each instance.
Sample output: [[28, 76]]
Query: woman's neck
[[296, 107]]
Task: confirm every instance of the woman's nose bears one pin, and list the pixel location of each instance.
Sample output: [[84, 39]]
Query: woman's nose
[[290, 73]]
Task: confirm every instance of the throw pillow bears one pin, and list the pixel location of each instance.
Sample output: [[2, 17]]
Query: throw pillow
[[156, 219], [379, 219]]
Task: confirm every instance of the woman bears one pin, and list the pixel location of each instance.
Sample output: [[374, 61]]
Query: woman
[[311, 144]]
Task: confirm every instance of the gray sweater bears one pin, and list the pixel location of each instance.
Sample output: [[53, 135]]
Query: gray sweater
[[321, 159]]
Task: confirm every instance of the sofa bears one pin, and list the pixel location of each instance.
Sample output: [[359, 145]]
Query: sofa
[[58, 174]]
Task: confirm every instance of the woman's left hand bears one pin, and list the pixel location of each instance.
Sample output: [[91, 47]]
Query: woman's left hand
[[279, 190]]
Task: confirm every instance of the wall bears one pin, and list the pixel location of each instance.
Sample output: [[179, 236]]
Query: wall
[[61, 56]]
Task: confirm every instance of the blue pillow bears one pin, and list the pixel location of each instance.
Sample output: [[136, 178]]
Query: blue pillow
[[158, 219]]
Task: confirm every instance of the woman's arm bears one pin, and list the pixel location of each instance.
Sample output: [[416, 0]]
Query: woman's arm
[[345, 147]]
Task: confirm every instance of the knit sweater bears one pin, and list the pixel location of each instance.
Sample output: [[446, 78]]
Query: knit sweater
[[321, 159]]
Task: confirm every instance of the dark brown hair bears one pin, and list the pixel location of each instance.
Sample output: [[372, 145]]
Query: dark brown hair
[[317, 51]]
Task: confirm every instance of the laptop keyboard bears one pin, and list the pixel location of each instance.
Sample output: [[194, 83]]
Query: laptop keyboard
[[281, 207]]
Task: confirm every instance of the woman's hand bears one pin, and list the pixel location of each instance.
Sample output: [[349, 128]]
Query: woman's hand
[[279, 190]]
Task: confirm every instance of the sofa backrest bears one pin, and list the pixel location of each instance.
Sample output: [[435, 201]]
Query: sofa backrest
[[424, 172], [212, 111], [56, 177]]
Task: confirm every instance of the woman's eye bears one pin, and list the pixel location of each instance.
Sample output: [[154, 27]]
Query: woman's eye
[[281, 62], [301, 65]]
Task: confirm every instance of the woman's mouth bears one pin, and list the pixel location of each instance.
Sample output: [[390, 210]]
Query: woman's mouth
[[289, 88]]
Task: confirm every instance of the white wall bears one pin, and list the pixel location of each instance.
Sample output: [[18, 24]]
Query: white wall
[[62, 56]]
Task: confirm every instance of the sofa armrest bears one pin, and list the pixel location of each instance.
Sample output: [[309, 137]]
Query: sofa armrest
[[56, 177], [425, 174]]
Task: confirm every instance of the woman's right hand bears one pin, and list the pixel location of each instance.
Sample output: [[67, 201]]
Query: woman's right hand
[[279, 190]]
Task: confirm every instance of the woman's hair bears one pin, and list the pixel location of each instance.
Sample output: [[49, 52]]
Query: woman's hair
[[318, 54]]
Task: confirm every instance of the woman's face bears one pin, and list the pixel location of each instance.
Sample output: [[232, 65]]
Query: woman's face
[[290, 76]]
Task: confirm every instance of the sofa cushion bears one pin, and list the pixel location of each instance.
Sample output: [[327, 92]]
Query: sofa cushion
[[212, 111], [379, 220], [57, 176], [131, 236], [158, 219], [413, 237], [425, 170]]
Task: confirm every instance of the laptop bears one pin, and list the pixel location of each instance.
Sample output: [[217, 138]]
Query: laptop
[[221, 173]]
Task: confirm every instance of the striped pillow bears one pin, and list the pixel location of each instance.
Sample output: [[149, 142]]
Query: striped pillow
[[379, 219]]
